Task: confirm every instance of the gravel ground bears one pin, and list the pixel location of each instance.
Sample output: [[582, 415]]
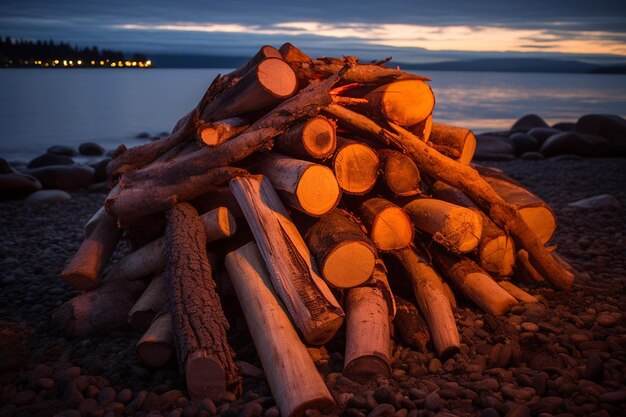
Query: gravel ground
[[563, 357]]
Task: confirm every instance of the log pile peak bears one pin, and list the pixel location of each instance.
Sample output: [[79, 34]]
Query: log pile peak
[[314, 191]]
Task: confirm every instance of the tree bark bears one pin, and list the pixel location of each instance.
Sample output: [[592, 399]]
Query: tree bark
[[293, 378], [389, 226], [454, 142], [198, 320], [156, 346], [405, 103], [410, 324], [400, 173], [356, 166], [214, 133], [314, 138], [265, 52], [311, 305], [149, 304]]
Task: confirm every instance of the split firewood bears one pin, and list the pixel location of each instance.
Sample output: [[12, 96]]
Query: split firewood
[[469, 181], [149, 304], [314, 138], [430, 296], [156, 346], [310, 303], [306, 186], [356, 166], [521, 295], [496, 250], [267, 84], [473, 281], [214, 133], [401, 175], [410, 324], [389, 226], [405, 103], [204, 354], [266, 51], [292, 376], [454, 142], [457, 228], [101, 237], [218, 223], [344, 253]]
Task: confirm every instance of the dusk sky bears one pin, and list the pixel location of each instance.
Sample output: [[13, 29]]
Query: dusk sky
[[410, 31]]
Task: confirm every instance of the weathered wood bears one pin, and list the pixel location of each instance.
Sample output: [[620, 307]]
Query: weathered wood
[[399, 172], [345, 255], [389, 226], [306, 186], [156, 346], [313, 308], [292, 376], [214, 133], [410, 324], [423, 129], [313, 138], [356, 166], [433, 302], [405, 103], [457, 228], [266, 51], [101, 238], [198, 320], [519, 294], [149, 304], [454, 142]]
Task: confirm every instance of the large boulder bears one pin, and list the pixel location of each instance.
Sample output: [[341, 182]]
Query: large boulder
[[492, 147], [609, 126], [523, 143], [528, 122], [16, 185], [62, 150], [48, 159], [543, 133], [47, 196], [64, 177], [564, 126], [574, 143], [91, 149]]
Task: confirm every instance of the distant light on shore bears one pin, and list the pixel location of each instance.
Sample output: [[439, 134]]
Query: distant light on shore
[[58, 63]]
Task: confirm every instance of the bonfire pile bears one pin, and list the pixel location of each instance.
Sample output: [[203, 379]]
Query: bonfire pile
[[334, 173]]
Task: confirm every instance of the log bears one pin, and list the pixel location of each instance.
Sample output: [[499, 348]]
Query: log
[[405, 103], [313, 308], [496, 250], [218, 224], [265, 85], [423, 129], [457, 228], [101, 237], [218, 196], [432, 300], [295, 382], [199, 325], [345, 255], [401, 175], [519, 294], [389, 226], [305, 186], [214, 133], [473, 281], [156, 346], [149, 304], [313, 138], [410, 324], [266, 51], [355, 166], [524, 269], [454, 142]]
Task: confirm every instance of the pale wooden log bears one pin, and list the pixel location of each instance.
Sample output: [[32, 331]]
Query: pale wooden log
[[266, 51], [449, 294], [423, 129], [101, 238], [389, 226], [345, 255], [149, 304], [263, 86], [454, 142], [218, 224], [496, 250], [295, 382], [214, 133], [356, 166], [399, 172], [519, 294], [410, 324], [198, 320], [457, 228], [306, 186], [313, 308], [405, 103], [473, 281], [314, 138], [433, 302], [156, 346]]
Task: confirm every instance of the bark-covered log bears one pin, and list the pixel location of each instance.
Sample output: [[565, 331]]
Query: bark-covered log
[[405, 103], [356, 166], [149, 304], [521, 295], [156, 346], [266, 51], [314, 138], [214, 133], [454, 142], [401, 175], [410, 324], [389, 226], [198, 320], [423, 129]]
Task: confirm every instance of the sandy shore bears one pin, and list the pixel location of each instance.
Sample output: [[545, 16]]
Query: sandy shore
[[566, 357]]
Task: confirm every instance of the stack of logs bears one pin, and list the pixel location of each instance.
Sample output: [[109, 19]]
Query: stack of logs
[[333, 174]]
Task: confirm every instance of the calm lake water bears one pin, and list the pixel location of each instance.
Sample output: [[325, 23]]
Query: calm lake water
[[40, 108]]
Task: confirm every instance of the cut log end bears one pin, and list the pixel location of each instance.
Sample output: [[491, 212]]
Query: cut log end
[[495, 301], [208, 135], [277, 77], [391, 229], [367, 368], [400, 173], [356, 168], [226, 222], [349, 265], [317, 191], [319, 138], [497, 255], [405, 103], [205, 377]]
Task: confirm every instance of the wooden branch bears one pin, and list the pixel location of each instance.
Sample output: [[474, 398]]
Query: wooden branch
[[400, 173], [454, 142], [389, 226], [356, 166], [345, 255], [198, 320], [149, 304], [405, 103], [311, 305], [305, 186], [313, 138], [521, 295], [292, 376], [265, 52], [101, 238], [524, 269], [423, 129], [156, 346], [433, 302], [469, 181], [214, 133], [410, 324]]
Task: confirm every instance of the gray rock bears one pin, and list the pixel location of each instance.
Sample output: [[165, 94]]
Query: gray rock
[[594, 369], [90, 149], [609, 126], [48, 159], [565, 126], [529, 121], [542, 133], [598, 202], [15, 185], [47, 196], [523, 143], [575, 143], [64, 177], [532, 156], [62, 150], [431, 402]]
